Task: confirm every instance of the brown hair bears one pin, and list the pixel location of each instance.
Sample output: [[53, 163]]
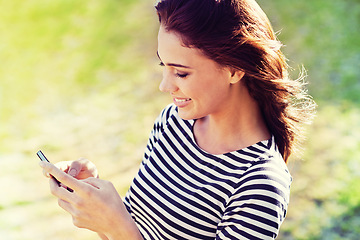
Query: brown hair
[[238, 34]]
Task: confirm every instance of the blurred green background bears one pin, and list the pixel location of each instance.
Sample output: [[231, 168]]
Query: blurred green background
[[80, 79]]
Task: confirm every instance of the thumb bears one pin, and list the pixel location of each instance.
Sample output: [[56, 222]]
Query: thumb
[[74, 169]]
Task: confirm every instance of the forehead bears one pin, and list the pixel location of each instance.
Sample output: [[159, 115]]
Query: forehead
[[170, 43], [172, 49]]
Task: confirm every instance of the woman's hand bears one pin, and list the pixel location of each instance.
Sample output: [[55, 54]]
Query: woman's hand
[[94, 203]]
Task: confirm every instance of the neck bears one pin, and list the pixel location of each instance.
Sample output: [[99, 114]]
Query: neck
[[240, 124]]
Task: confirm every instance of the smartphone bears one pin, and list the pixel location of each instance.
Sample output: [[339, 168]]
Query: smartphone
[[42, 156], [44, 159]]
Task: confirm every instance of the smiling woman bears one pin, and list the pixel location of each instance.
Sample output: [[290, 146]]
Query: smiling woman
[[215, 163], [198, 85]]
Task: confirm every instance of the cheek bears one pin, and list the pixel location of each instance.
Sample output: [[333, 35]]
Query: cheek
[[205, 86], [211, 94], [216, 87]]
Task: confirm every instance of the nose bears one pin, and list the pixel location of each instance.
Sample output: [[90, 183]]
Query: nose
[[167, 84]]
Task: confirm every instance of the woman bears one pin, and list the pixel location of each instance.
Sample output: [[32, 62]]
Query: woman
[[215, 162]]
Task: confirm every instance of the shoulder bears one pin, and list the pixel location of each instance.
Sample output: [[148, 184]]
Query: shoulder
[[269, 163], [269, 167], [268, 181], [266, 178], [270, 176]]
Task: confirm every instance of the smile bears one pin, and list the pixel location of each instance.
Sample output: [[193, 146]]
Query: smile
[[178, 100], [182, 102]]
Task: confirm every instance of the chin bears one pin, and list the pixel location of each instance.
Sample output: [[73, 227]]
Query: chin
[[188, 115]]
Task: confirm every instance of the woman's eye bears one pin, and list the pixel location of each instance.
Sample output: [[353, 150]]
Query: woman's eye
[[177, 74], [182, 75]]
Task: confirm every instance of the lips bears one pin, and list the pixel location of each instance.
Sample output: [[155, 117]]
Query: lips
[[182, 102]]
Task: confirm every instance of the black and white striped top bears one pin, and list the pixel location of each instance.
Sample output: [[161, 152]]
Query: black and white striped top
[[183, 192]]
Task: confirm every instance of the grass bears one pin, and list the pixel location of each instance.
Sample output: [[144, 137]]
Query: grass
[[79, 79]]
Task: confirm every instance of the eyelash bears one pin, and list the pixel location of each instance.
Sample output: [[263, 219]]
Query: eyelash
[[184, 75], [181, 75]]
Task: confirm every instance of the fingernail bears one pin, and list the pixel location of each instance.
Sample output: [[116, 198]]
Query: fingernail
[[72, 172], [41, 164]]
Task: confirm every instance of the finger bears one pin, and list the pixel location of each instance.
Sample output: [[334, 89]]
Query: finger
[[53, 185], [66, 187], [63, 165], [64, 178], [57, 188], [75, 168], [46, 174], [86, 169], [95, 182], [65, 205]]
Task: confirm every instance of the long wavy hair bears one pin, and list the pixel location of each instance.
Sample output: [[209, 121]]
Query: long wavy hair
[[238, 34]]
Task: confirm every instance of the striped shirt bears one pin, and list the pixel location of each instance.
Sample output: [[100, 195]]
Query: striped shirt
[[183, 192]]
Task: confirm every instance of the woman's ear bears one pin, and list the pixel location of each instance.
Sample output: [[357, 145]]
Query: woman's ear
[[236, 75]]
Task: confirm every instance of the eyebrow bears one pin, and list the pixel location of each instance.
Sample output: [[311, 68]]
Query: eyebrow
[[173, 64]]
